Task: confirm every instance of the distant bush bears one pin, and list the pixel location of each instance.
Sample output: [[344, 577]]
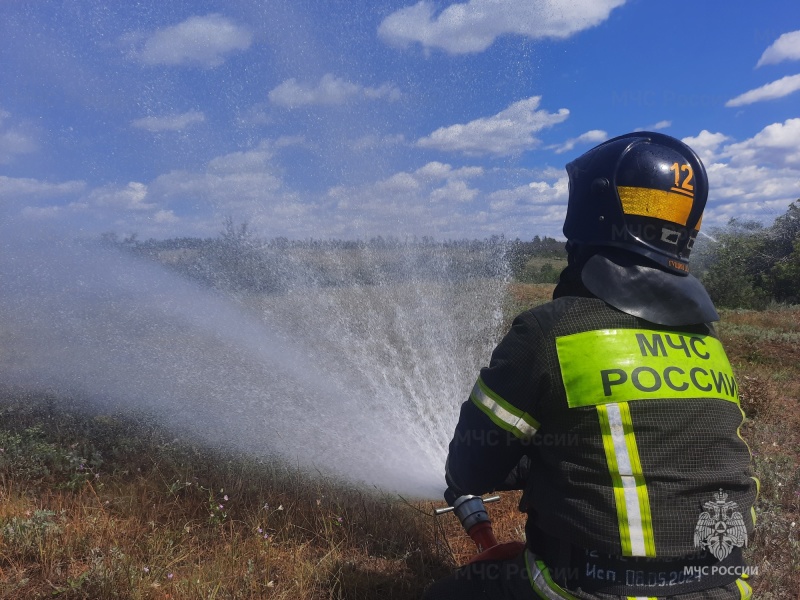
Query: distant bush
[[535, 271], [525, 259], [749, 265]]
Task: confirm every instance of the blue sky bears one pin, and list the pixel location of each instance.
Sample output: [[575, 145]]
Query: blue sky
[[356, 118]]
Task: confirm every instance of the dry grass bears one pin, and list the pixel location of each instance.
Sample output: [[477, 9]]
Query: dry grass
[[765, 354], [526, 295], [115, 509], [104, 507]]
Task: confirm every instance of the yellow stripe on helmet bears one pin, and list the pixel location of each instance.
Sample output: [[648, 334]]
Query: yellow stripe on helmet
[[659, 204]]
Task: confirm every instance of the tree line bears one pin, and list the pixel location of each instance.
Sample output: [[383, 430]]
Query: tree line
[[742, 265], [240, 261]]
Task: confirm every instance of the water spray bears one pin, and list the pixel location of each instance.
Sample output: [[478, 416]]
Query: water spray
[[283, 376]]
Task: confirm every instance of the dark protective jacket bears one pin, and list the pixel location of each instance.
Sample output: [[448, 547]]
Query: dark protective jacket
[[638, 481]]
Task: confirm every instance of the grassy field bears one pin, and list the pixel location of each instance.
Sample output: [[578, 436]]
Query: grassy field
[[101, 506]]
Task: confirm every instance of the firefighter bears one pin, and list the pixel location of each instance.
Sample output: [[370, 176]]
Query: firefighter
[[614, 406]]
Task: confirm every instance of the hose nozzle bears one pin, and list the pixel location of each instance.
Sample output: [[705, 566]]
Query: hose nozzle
[[471, 511]]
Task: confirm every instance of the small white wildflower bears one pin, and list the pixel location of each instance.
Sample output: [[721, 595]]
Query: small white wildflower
[[225, 497], [271, 584]]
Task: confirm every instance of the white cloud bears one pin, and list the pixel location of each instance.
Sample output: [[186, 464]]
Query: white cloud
[[422, 186], [131, 197], [508, 132], [203, 41], [754, 179], [473, 26], [535, 192], [33, 199], [71, 204], [242, 183], [777, 145], [417, 203], [165, 216], [594, 136], [227, 192], [437, 171], [41, 213], [330, 90], [31, 189], [436, 199], [771, 91], [14, 142], [256, 160], [537, 208], [706, 144], [14, 139], [257, 114], [786, 47], [169, 122], [454, 191], [748, 193], [399, 183], [655, 126]]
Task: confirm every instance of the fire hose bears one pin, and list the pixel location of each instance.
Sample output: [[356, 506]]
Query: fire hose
[[471, 512]]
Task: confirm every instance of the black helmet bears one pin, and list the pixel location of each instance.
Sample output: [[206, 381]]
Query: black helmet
[[643, 192]]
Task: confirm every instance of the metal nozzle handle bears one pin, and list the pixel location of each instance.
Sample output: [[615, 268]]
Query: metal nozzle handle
[[447, 509]]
